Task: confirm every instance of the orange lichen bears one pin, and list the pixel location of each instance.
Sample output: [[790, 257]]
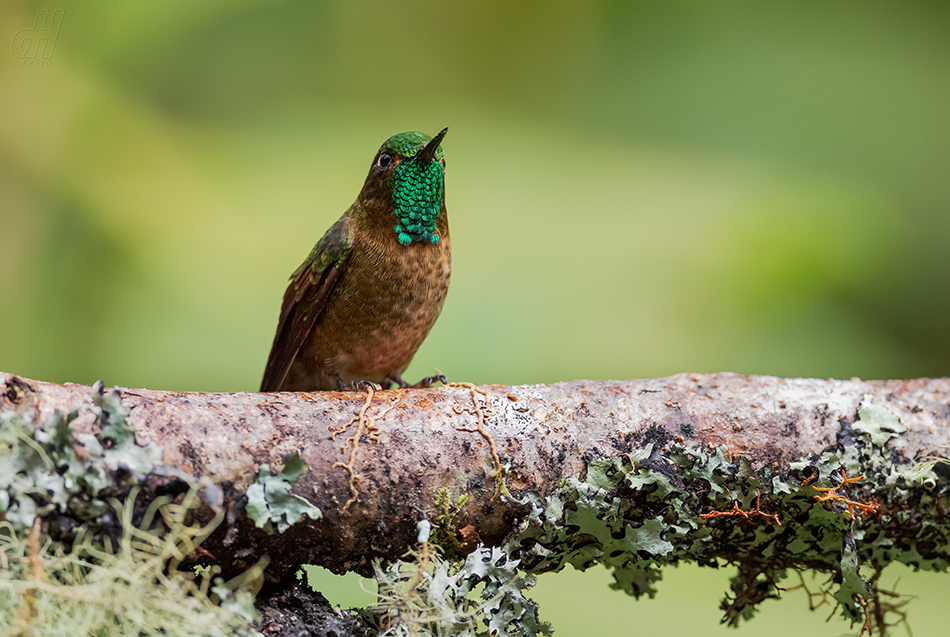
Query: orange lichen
[[746, 514], [831, 494]]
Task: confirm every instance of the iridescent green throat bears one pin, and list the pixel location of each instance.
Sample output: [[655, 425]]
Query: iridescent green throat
[[417, 189], [417, 197]]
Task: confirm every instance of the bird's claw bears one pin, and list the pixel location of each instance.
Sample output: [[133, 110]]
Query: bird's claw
[[356, 385], [429, 380]]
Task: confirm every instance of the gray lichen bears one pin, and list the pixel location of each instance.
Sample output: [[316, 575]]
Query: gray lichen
[[48, 468], [480, 596], [638, 512], [270, 502], [80, 555], [599, 474]]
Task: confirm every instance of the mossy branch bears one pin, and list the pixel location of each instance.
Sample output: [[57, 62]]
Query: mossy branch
[[632, 474]]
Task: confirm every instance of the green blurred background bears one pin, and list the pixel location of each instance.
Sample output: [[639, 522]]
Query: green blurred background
[[636, 189]]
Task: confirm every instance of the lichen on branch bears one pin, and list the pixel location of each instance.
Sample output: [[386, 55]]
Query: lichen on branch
[[634, 475], [81, 553]]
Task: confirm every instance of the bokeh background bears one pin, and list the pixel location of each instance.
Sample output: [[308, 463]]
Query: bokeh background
[[635, 189]]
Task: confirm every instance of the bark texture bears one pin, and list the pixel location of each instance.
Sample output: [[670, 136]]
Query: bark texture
[[410, 445]]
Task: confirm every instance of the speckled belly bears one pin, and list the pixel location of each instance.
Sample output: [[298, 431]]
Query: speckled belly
[[376, 318]]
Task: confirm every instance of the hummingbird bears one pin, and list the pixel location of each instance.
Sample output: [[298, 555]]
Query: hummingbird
[[362, 302]]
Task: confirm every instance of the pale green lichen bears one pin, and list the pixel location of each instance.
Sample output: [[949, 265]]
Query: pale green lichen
[[128, 590], [47, 468], [481, 596], [270, 502], [640, 511], [108, 567], [878, 424], [925, 473]]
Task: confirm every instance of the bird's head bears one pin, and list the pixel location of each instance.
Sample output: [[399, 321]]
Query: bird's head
[[408, 172]]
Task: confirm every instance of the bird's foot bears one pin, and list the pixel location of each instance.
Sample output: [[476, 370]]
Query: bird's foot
[[355, 385], [428, 381]]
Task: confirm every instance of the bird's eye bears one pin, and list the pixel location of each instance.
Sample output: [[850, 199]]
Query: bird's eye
[[384, 160]]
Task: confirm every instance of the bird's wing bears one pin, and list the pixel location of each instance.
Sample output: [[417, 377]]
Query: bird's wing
[[305, 298]]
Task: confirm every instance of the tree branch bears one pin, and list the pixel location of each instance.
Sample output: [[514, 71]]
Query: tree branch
[[646, 448]]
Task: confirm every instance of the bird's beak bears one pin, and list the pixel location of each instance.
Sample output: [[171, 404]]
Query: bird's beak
[[425, 155]]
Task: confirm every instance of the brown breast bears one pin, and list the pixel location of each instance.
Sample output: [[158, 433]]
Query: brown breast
[[381, 310]]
